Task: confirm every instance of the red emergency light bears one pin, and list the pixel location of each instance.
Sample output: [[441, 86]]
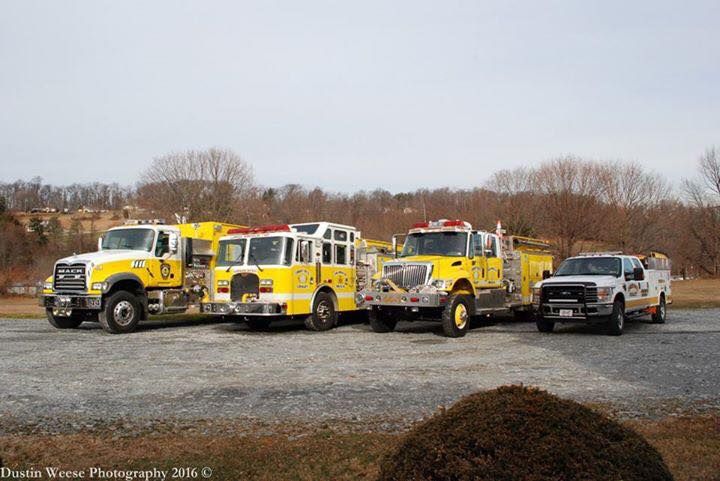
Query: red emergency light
[[439, 223], [420, 225], [261, 230]]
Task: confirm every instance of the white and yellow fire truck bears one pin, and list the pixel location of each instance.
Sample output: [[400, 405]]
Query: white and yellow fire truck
[[311, 271], [449, 271], [140, 269]]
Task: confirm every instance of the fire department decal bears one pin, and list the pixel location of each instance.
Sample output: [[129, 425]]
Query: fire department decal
[[302, 277], [165, 270], [341, 279]]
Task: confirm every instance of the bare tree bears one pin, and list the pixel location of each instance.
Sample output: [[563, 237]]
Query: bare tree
[[199, 185]]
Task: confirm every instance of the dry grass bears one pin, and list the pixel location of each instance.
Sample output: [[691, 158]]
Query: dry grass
[[20, 307], [689, 445]]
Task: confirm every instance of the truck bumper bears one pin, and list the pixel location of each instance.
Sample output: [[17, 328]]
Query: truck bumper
[[69, 302], [404, 299], [575, 312], [244, 308]]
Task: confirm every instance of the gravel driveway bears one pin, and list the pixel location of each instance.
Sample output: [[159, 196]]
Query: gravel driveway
[[223, 371]]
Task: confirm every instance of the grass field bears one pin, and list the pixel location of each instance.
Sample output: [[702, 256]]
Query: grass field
[[692, 294], [689, 445]]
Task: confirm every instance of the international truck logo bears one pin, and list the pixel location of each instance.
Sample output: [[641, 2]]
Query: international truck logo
[[165, 271]]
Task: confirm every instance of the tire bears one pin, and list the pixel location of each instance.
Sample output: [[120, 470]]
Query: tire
[[660, 313], [381, 320], [62, 322], [616, 321], [121, 313], [543, 325], [258, 323], [456, 315], [324, 315]]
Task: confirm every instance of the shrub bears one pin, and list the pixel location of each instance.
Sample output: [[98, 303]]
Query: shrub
[[519, 433]]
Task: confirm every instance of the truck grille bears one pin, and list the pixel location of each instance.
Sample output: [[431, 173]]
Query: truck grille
[[407, 275], [70, 277], [242, 284], [569, 293]]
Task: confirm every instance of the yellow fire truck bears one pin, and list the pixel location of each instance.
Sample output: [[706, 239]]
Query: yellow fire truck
[[450, 272], [141, 269], [311, 270]]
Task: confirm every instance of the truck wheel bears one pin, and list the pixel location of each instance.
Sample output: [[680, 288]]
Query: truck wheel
[[456, 315], [543, 325], [381, 320], [323, 315], [616, 322], [660, 313], [61, 322], [257, 323], [121, 313]]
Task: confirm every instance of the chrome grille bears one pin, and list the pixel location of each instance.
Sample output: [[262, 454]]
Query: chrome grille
[[569, 293], [70, 277], [406, 275], [242, 284]]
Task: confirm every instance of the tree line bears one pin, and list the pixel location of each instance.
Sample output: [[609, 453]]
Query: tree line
[[577, 204]]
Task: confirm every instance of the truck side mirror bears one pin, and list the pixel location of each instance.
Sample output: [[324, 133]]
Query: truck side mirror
[[394, 246], [173, 242], [100, 239], [546, 274], [639, 274]]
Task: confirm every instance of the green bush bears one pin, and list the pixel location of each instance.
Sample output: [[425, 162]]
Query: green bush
[[519, 433]]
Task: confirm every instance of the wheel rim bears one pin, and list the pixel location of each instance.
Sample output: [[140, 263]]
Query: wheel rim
[[662, 310], [323, 311], [123, 313], [620, 320], [461, 316]]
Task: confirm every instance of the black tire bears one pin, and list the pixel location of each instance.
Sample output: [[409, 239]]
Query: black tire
[[258, 323], [324, 315], [381, 320], [121, 313], [616, 321], [543, 325], [455, 323], [660, 313], [64, 322]]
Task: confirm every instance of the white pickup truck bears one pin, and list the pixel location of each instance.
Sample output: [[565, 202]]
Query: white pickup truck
[[604, 288]]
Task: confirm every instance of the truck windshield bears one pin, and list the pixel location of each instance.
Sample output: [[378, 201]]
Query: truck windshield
[[266, 250], [590, 266], [132, 239], [451, 244], [231, 252]]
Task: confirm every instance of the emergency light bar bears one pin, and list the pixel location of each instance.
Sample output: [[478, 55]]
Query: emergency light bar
[[261, 230], [437, 224]]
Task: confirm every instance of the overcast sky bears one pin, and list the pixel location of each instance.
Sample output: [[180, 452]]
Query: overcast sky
[[352, 95]]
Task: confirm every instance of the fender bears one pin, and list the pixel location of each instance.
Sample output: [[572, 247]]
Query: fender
[[122, 276], [332, 292]]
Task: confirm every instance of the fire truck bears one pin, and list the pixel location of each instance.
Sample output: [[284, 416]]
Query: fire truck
[[450, 272], [140, 269], [311, 271]]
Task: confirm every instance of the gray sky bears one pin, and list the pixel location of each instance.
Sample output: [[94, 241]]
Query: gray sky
[[351, 95]]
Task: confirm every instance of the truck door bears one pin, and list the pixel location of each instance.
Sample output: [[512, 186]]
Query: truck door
[[479, 262], [632, 287], [304, 273], [165, 269], [494, 260]]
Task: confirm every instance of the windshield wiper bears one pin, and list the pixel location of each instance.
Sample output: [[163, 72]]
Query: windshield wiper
[[252, 258], [234, 262]]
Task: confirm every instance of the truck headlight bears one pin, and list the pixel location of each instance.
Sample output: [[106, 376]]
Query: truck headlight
[[605, 294], [99, 286], [536, 293], [442, 284], [47, 286]]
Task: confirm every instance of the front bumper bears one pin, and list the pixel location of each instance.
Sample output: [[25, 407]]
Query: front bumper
[[402, 299], [70, 301], [244, 308], [574, 312]]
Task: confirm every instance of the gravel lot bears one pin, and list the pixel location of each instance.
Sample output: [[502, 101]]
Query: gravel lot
[[191, 370]]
